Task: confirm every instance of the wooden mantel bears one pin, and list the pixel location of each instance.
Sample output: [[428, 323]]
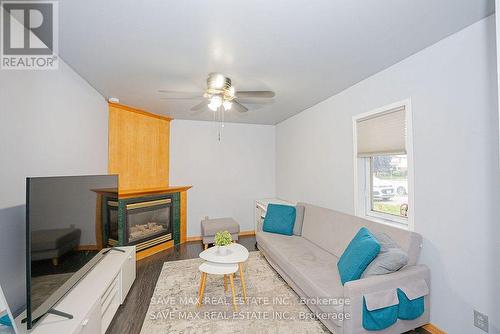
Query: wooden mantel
[[142, 192], [152, 191]]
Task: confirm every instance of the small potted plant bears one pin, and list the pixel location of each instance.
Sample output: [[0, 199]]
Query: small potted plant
[[222, 240]]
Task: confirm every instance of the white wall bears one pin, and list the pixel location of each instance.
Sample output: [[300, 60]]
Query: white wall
[[452, 85], [227, 176], [51, 123]]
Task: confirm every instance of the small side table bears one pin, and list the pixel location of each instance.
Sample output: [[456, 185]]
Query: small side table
[[217, 269], [236, 255]]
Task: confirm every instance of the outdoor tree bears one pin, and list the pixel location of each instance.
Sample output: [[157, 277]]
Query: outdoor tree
[[382, 165]]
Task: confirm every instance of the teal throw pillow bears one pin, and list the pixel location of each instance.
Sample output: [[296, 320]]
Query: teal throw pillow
[[360, 252], [279, 219]]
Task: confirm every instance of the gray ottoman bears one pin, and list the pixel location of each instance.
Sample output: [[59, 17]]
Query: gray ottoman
[[54, 243], [211, 226]]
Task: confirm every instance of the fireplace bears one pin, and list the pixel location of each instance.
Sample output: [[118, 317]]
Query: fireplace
[[142, 222]]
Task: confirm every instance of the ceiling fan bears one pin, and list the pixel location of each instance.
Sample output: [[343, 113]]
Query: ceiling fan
[[219, 95]]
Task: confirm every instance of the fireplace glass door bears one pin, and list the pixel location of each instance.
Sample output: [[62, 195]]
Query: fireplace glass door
[[147, 220]]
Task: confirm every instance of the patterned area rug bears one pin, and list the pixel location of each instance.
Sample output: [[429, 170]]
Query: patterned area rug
[[272, 306]]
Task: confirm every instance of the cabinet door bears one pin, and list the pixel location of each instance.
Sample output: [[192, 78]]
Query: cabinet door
[[127, 275], [110, 302], [91, 324]]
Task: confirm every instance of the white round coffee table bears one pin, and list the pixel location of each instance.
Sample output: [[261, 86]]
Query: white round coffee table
[[217, 269], [236, 254]]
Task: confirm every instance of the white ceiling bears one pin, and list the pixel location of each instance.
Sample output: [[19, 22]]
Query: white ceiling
[[304, 50]]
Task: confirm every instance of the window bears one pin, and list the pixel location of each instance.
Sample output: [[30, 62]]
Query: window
[[383, 164], [388, 186]]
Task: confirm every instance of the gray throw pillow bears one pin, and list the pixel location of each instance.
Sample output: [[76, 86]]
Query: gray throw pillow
[[390, 259], [299, 219]]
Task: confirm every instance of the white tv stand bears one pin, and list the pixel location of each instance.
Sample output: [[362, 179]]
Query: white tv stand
[[94, 301]]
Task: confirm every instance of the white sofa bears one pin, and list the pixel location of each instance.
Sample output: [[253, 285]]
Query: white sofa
[[308, 263]]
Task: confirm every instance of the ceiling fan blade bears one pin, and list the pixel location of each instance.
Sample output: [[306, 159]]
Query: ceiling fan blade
[[173, 93], [256, 94], [256, 101], [239, 107], [182, 98], [199, 106], [201, 111]]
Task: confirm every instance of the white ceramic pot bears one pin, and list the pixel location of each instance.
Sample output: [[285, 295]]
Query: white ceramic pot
[[222, 250]]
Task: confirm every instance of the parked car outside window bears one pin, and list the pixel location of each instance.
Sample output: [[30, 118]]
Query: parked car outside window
[[389, 185]]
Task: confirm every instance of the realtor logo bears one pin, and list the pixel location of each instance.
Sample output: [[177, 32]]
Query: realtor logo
[[29, 38]]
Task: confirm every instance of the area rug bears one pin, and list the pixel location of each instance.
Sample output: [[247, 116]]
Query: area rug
[[272, 306]]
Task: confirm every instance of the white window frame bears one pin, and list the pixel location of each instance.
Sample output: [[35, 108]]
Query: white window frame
[[497, 25], [362, 173]]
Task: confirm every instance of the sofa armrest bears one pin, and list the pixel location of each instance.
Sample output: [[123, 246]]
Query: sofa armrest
[[384, 282], [355, 290], [260, 224]]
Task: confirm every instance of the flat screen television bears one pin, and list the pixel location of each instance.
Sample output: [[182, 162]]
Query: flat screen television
[[61, 237]]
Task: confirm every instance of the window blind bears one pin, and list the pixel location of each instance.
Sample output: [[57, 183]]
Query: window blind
[[382, 134]]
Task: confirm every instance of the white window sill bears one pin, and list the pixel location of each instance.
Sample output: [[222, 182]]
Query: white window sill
[[398, 223]]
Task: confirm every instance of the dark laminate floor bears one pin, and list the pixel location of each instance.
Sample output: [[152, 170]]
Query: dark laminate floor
[[129, 318]]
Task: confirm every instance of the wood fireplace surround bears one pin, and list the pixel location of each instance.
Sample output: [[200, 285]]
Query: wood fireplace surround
[[138, 151]]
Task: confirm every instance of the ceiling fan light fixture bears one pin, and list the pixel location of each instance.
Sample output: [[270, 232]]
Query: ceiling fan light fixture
[[216, 100], [227, 105], [212, 107]]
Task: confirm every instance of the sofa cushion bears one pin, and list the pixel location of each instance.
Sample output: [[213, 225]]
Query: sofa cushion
[[299, 219], [333, 230], [310, 267], [360, 252], [279, 219]]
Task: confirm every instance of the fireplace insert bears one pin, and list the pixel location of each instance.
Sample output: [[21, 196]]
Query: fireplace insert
[[142, 221]]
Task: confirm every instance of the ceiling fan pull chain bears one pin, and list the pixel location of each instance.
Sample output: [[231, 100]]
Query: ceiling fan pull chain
[[222, 112], [221, 115]]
